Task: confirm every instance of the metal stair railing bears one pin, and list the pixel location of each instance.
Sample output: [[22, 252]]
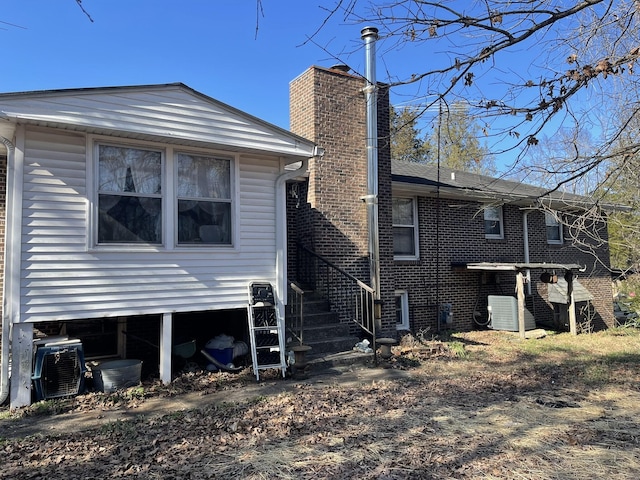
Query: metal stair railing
[[295, 313], [349, 297]]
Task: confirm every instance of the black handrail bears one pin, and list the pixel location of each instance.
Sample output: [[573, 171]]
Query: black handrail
[[352, 299]]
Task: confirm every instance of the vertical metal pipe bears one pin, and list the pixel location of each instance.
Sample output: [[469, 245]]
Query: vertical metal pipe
[[6, 320], [525, 235], [369, 36]]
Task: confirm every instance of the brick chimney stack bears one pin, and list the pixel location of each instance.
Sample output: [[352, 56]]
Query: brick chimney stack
[[327, 106]]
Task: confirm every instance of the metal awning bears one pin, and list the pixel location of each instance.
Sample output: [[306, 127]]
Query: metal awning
[[558, 292], [521, 270]]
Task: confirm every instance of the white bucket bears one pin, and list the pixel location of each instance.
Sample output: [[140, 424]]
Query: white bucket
[[240, 349]]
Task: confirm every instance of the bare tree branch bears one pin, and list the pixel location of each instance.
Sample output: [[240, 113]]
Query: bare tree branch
[[568, 108], [79, 2]]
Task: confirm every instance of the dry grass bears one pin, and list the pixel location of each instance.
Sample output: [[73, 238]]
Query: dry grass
[[561, 407]]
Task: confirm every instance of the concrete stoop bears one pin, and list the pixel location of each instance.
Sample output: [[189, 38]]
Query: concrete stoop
[[340, 359]]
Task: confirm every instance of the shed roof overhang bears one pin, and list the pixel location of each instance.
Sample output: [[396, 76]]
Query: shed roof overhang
[[516, 267], [559, 294]]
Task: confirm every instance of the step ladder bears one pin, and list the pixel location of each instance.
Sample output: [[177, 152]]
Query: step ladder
[[266, 330]]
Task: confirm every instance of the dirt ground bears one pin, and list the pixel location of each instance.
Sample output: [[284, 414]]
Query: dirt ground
[[476, 405]]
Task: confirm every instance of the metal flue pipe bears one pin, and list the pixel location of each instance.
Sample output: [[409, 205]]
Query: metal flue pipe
[[369, 35]]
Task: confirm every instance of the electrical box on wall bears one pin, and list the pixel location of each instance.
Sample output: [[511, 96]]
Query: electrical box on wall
[[446, 314]]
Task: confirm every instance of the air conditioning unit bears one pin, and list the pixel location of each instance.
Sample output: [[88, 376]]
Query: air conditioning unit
[[503, 312], [58, 368]]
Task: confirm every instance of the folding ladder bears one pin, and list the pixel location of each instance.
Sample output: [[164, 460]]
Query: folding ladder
[[266, 330]]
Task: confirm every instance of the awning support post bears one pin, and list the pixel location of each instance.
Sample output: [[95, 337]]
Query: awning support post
[[573, 327], [520, 294]]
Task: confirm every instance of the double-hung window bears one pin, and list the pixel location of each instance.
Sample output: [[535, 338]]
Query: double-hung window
[[129, 195], [204, 199], [405, 228], [493, 223], [554, 228], [133, 205]]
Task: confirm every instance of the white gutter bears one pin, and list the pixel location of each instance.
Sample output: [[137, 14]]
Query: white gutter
[[281, 226], [6, 322]]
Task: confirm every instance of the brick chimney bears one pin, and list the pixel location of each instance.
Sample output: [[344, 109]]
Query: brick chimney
[[327, 106]]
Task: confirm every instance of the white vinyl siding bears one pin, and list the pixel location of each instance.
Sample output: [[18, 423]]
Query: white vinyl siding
[[61, 278], [171, 113]]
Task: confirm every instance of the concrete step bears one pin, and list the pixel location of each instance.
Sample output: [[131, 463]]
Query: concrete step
[[320, 332], [315, 318], [314, 305], [323, 331], [339, 359], [331, 345]]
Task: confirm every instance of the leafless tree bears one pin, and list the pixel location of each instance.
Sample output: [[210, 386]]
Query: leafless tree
[[553, 82], [576, 53]]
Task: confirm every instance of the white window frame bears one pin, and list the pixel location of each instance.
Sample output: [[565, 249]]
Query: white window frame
[[176, 198], [552, 219], [403, 295], [169, 196], [93, 145], [500, 219], [414, 226]]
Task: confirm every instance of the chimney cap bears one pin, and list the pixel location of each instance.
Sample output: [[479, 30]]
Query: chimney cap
[[341, 67], [369, 32]]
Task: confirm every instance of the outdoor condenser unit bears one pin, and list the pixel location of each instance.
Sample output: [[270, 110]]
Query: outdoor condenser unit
[[503, 312], [58, 368]]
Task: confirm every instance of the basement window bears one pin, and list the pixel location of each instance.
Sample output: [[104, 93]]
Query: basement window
[[402, 310]]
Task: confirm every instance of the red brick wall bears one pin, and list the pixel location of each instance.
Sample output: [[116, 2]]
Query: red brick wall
[[385, 225], [431, 280], [328, 107]]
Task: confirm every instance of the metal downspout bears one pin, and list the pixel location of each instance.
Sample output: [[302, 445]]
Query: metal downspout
[[525, 238], [6, 324], [281, 226], [370, 35]]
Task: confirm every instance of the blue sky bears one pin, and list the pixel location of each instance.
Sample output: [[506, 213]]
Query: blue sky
[[213, 47], [210, 45]]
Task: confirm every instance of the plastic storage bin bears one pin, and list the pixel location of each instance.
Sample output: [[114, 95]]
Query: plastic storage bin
[[117, 374]]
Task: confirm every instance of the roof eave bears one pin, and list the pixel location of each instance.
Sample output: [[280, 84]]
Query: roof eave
[[303, 148], [421, 186]]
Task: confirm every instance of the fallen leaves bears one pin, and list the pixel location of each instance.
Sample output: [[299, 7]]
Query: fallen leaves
[[487, 415]]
